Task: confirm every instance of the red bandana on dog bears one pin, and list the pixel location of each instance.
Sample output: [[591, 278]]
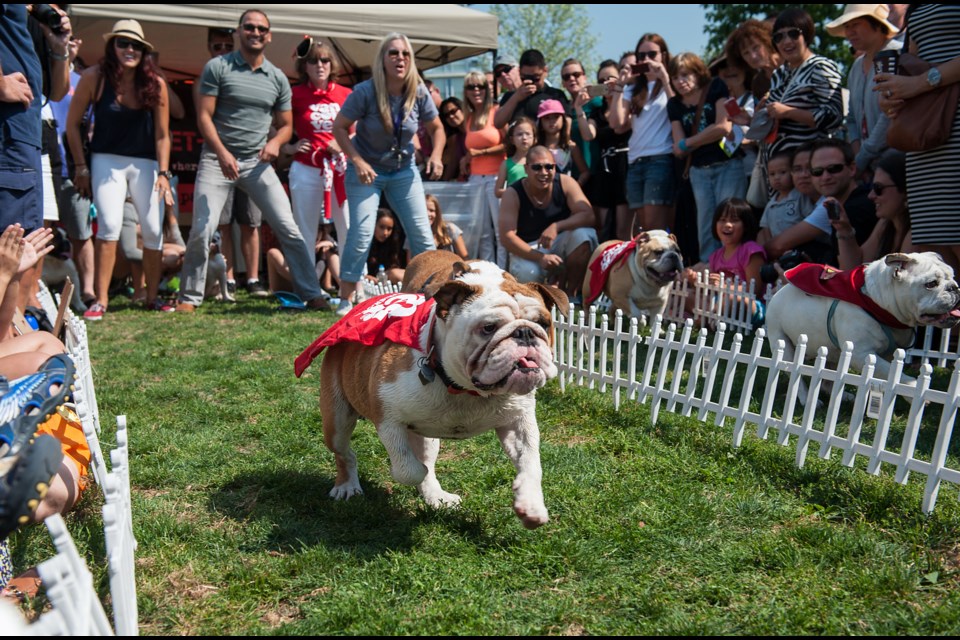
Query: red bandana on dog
[[601, 267], [825, 281], [397, 317]]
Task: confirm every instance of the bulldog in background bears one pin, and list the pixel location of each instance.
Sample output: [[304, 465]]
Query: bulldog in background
[[875, 306], [635, 275], [462, 350]]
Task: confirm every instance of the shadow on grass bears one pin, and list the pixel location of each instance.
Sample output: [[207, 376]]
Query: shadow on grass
[[303, 515]]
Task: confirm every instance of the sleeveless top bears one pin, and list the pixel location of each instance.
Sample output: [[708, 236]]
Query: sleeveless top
[[532, 220], [120, 130]]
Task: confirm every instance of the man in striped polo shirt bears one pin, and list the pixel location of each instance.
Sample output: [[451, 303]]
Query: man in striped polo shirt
[[241, 92]]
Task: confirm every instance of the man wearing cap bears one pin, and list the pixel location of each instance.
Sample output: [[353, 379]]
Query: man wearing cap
[[241, 93], [869, 31], [506, 72], [525, 100]]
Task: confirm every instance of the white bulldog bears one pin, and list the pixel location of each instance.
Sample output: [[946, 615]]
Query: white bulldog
[[471, 360], [635, 275], [901, 291]]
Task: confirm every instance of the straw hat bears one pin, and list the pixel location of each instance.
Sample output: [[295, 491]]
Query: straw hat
[[128, 29], [879, 12]]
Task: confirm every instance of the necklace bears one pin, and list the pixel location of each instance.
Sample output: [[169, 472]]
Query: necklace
[[539, 202]]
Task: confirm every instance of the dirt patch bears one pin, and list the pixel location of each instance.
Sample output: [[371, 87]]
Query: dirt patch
[[283, 613], [186, 583]]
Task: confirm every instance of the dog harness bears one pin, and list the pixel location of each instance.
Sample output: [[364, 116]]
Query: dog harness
[[600, 268], [827, 282]]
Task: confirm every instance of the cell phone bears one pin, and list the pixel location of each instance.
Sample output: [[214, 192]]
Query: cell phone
[[886, 61], [596, 90], [529, 79], [833, 209], [639, 68], [733, 107]]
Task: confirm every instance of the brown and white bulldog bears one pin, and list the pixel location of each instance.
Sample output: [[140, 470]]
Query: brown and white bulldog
[[635, 275], [462, 350]]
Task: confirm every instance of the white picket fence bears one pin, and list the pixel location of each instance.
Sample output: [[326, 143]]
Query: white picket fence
[[76, 607], [691, 373]]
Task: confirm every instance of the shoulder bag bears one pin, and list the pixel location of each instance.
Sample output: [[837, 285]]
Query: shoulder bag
[[925, 121]]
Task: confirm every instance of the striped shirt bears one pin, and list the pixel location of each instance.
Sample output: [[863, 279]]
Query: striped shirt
[[814, 86]]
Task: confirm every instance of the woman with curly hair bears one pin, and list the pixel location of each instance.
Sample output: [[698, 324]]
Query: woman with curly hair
[[130, 152]]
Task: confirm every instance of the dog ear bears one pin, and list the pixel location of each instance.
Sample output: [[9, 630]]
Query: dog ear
[[899, 261], [458, 270], [552, 296], [449, 293]]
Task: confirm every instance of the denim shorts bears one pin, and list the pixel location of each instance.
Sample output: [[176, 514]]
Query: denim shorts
[[651, 180]]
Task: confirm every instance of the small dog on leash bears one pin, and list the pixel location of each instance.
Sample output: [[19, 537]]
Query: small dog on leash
[[217, 273]]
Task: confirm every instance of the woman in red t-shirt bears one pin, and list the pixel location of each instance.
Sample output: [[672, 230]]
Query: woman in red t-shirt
[[316, 175], [485, 153]]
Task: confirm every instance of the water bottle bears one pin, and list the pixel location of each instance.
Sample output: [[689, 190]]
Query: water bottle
[[382, 276]]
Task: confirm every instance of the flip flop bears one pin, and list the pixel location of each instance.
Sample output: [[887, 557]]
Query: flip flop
[[39, 393], [23, 587], [290, 301], [25, 478]]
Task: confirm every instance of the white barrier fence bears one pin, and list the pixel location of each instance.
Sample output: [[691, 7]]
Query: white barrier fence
[[695, 374]]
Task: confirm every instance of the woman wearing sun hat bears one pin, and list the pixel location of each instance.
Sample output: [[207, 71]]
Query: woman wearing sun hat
[[130, 151]]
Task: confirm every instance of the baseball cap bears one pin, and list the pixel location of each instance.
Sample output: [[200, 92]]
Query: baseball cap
[[548, 107], [503, 61]]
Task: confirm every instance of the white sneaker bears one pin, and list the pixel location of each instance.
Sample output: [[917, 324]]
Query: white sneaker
[[344, 308]]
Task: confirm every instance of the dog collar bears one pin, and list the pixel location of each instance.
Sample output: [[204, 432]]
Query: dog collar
[[431, 367]]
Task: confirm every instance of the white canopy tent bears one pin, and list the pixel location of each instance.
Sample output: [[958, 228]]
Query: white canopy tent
[[440, 33]]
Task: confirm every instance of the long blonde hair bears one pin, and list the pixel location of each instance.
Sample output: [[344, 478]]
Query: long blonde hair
[[473, 116], [410, 83]]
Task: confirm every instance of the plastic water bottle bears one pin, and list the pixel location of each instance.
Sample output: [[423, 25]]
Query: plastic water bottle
[[382, 276]]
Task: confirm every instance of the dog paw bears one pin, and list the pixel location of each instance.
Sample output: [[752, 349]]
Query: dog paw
[[346, 491], [442, 500], [532, 516]]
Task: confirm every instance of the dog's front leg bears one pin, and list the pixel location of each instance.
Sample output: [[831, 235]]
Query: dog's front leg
[[522, 444], [427, 450], [405, 467]]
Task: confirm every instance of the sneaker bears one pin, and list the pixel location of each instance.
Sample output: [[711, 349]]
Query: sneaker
[[186, 307], [25, 479], [95, 312], [257, 290], [344, 308], [231, 287], [161, 305]]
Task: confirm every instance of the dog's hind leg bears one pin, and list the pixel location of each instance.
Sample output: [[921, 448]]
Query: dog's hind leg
[[339, 421], [427, 450], [405, 466]]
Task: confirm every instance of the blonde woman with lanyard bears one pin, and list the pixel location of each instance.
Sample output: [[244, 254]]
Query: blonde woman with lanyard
[[387, 111]]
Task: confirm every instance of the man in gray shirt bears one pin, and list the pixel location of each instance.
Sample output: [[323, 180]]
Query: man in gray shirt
[[239, 95]]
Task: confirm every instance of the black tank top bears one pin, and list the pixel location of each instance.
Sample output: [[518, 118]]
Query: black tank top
[[532, 220], [120, 130]]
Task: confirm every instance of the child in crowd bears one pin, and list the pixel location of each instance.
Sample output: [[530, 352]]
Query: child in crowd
[[446, 235], [521, 136], [387, 248], [554, 134], [788, 206], [739, 255]]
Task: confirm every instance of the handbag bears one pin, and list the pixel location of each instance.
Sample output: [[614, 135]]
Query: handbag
[[925, 121]]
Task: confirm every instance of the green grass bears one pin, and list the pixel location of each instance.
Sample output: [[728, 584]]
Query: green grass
[[662, 529]]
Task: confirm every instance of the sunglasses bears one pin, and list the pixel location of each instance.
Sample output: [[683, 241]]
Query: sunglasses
[[878, 188], [646, 55], [576, 75], [793, 34], [396, 53], [474, 87], [219, 47], [499, 71], [832, 169], [259, 28], [546, 166], [450, 112], [126, 43]]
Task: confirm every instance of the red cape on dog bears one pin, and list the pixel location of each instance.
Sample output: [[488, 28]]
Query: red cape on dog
[[825, 281]]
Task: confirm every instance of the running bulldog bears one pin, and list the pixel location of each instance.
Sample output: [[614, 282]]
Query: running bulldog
[[462, 350]]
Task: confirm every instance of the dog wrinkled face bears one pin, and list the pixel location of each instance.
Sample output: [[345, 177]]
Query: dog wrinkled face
[[661, 258], [498, 341], [931, 282]]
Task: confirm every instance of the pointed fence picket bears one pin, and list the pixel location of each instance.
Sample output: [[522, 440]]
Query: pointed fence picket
[[686, 371]]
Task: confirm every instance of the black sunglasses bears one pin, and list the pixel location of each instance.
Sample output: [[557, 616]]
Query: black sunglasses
[[474, 87], [878, 188], [499, 71], [259, 28], [124, 43], [793, 34], [646, 55], [546, 166], [450, 112], [396, 53], [832, 169], [217, 47], [573, 74]]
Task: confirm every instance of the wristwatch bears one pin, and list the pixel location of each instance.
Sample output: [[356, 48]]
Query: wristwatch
[[933, 77], [166, 174]]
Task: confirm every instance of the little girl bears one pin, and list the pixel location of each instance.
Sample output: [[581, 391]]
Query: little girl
[[521, 136], [387, 248], [446, 235], [735, 227], [552, 132]]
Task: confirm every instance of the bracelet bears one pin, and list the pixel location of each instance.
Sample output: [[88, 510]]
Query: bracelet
[[166, 174], [62, 58], [83, 172], [683, 145], [846, 236]]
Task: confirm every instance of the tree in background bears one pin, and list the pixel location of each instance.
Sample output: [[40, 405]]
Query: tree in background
[[559, 31], [724, 18]]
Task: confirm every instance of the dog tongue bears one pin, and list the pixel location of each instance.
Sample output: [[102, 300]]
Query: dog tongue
[[527, 363], [955, 313]]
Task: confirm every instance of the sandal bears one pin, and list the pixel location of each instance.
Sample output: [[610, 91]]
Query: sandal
[[23, 587], [39, 393], [289, 301], [25, 478]]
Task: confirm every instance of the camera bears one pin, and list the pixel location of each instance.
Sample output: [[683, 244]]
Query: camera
[[639, 68], [529, 79], [790, 259], [45, 14], [833, 209]]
